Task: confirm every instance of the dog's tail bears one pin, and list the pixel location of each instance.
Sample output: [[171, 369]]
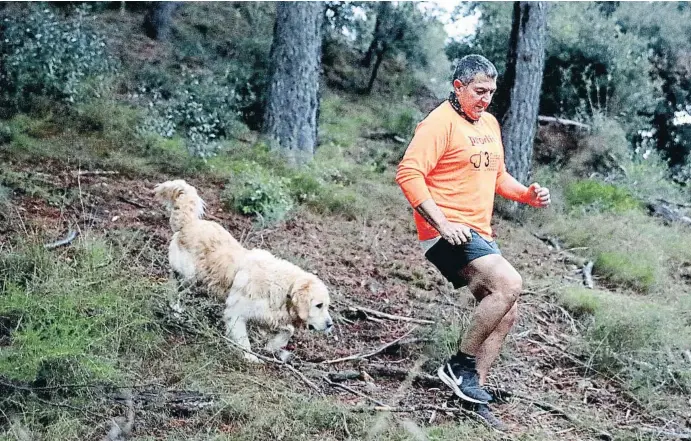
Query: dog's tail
[[183, 200]]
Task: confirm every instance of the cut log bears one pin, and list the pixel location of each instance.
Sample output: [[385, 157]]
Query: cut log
[[668, 213], [385, 136], [588, 275], [563, 122]]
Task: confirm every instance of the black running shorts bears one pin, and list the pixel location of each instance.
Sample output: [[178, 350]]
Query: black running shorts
[[451, 259]]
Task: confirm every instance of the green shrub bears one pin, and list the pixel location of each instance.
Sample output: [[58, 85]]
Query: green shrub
[[593, 195], [76, 317], [627, 269], [340, 200], [305, 187], [48, 56], [402, 120], [626, 335], [202, 109], [580, 301], [254, 190], [626, 325]]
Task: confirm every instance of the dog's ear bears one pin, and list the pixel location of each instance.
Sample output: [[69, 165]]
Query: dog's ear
[[299, 296]]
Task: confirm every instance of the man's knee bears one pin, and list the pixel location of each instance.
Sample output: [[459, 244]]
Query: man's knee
[[510, 287]]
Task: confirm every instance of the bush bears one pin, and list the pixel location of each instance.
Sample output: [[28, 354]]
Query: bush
[[48, 56], [203, 110], [580, 301], [627, 269], [77, 315], [626, 335], [254, 190], [593, 195], [402, 121]]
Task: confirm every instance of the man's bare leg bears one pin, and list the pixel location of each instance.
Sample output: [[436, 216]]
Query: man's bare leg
[[496, 285], [490, 348]]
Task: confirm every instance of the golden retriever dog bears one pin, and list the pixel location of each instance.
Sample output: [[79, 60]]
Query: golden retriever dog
[[256, 286]]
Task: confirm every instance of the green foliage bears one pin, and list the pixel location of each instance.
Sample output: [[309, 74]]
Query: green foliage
[[254, 190], [233, 41], [44, 55], [74, 318], [625, 335], [402, 120], [664, 27], [594, 65], [629, 248], [580, 301], [594, 195], [627, 270], [201, 109]]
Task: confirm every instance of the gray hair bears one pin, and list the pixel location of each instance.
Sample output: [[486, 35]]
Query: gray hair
[[471, 66]]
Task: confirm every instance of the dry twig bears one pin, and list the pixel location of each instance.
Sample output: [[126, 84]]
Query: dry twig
[[384, 315], [96, 172], [370, 354], [353, 391]]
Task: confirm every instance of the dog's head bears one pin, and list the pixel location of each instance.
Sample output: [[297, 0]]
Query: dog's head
[[309, 299]]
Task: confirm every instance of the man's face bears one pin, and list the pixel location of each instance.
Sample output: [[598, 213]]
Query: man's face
[[475, 96]]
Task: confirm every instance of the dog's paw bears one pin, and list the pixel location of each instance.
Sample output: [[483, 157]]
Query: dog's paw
[[252, 358]]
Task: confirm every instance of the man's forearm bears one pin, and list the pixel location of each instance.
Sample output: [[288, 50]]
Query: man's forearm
[[431, 212], [513, 190]]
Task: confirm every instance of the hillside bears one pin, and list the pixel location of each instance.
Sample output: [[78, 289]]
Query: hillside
[[89, 341]]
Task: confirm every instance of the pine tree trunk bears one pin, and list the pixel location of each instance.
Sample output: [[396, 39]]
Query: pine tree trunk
[[158, 20], [378, 35], [379, 54], [524, 72], [290, 118]]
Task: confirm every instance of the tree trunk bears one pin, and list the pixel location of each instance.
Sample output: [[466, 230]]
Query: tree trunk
[[375, 70], [158, 20], [379, 34], [526, 62], [290, 118]]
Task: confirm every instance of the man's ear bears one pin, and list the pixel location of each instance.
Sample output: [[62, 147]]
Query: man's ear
[[457, 84]]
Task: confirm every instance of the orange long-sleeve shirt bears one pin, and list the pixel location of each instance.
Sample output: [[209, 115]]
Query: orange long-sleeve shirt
[[458, 164]]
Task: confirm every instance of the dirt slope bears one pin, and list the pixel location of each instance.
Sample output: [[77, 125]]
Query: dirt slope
[[549, 392]]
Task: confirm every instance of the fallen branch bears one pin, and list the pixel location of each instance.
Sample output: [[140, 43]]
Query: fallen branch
[[385, 371], [563, 122], [97, 172], [678, 204], [370, 354], [668, 213], [385, 136], [380, 314], [353, 391], [131, 202], [588, 274], [71, 235], [550, 240]]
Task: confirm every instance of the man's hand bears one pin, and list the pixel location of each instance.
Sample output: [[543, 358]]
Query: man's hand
[[455, 234], [538, 196]]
